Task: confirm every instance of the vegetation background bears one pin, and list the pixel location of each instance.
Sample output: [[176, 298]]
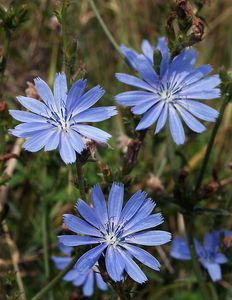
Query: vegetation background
[[39, 188]]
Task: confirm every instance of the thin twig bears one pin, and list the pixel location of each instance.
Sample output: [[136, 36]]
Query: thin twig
[[195, 262], [55, 280], [80, 179], [15, 259], [104, 27], [210, 144]]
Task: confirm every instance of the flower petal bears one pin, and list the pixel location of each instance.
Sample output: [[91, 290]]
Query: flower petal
[[220, 258], [115, 202], [176, 126], [45, 92], [163, 48], [99, 204], [146, 70], [191, 122], [76, 141], [26, 116], [149, 238], [34, 106], [77, 240], [214, 271], [88, 285], [66, 150], [114, 263], [89, 259], [200, 110], [100, 282], [88, 99], [162, 119], [92, 133], [196, 74], [53, 141], [180, 249], [60, 89], [198, 94], [130, 55], [96, 114], [143, 107], [143, 212], [132, 268], [38, 140], [74, 94], [61, 262], [148, 50], [80, 280], [132, 98], [131, 207], [71, 275], [205, 84], [134, 81], [87, 213], [151, 221], [80, 226], [183, 61], [143, 256], [211, 242], [151, 116]]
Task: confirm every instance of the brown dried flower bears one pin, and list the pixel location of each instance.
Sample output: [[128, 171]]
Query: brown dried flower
[[31, 90]]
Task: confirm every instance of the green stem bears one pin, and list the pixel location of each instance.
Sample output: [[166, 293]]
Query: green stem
[[104, 27], [45, 239], [195, 262], [55, 280], [65, 39], [80, 179], [213, 292], [45, 231], [53, 61], [210, 144]]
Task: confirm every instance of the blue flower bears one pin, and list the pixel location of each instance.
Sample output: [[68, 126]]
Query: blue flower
[[58, 121], [114, 230], [84, 280], [171, 93], [208, 254]]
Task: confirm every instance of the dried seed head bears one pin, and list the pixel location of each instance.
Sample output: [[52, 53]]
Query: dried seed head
[[154, 184], [54, 24], [31, 90], [122, 142]]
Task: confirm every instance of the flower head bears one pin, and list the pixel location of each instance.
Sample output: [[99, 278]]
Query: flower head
[[84, 280], [115, 230], [58, 120], [208, 253], [172, 92]]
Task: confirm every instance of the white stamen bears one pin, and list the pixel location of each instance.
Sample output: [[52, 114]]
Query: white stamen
[[111, 239]]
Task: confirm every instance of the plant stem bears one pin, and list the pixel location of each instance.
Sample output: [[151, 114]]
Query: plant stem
[[65, 40], [104, 27], [195, 262], [210, 144], [45, 231], [80, 178], [213, 292], [55, 280], [15, 259]]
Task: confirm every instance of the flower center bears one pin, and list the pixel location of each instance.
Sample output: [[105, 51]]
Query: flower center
[[167, 96], [111, 239], [64, 125], [60, 120]]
